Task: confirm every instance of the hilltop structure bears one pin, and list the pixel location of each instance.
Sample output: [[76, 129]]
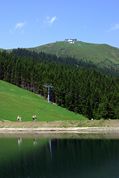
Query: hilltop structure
[[72, 41]]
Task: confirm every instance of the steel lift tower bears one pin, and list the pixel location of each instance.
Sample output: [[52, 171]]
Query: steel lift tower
[[48, 86]]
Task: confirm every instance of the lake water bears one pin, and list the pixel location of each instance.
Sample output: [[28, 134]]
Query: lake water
[[59, 158]]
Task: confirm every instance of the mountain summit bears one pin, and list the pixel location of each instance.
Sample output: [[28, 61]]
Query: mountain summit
[[101, 55]]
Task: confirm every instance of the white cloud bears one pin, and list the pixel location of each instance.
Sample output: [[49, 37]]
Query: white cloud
[[50, 20], [114, 27], [19, 25], [53, 19]]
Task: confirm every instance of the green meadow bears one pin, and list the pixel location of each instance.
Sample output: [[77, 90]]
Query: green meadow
[[16, 101]]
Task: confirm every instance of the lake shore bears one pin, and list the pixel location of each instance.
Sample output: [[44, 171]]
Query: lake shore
[[83, 127], [81, 130]]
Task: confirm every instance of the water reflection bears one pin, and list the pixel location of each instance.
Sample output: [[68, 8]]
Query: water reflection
[[59, 158], [19, 141], [35, 142], [50, 147]]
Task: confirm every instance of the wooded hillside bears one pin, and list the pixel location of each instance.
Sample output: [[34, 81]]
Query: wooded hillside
[[78, 88]]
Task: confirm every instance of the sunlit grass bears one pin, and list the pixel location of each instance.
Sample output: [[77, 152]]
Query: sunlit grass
[[17, 101]]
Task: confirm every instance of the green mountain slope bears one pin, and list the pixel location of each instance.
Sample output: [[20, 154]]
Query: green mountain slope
[[16, 101], [102, 55]]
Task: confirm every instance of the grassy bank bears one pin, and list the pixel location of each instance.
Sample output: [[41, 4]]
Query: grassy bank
[[16, 101]]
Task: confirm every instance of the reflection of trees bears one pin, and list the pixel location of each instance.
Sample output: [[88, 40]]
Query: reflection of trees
[[70, 158], [19, 158]]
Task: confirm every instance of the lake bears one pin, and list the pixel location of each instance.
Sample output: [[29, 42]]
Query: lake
[[59, 158]]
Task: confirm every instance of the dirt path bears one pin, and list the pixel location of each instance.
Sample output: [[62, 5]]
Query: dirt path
[[60, 124], [94, 126]]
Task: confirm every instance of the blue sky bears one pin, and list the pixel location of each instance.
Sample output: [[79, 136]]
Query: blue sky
[[28, 23]]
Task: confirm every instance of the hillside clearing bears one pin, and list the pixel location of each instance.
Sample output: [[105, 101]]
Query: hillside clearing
[[15, 101]]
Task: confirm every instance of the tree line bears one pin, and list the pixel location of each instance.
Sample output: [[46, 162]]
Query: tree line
[[76, 85]]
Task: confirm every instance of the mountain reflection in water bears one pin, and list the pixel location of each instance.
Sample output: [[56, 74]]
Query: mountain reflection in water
[[59, 158]]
